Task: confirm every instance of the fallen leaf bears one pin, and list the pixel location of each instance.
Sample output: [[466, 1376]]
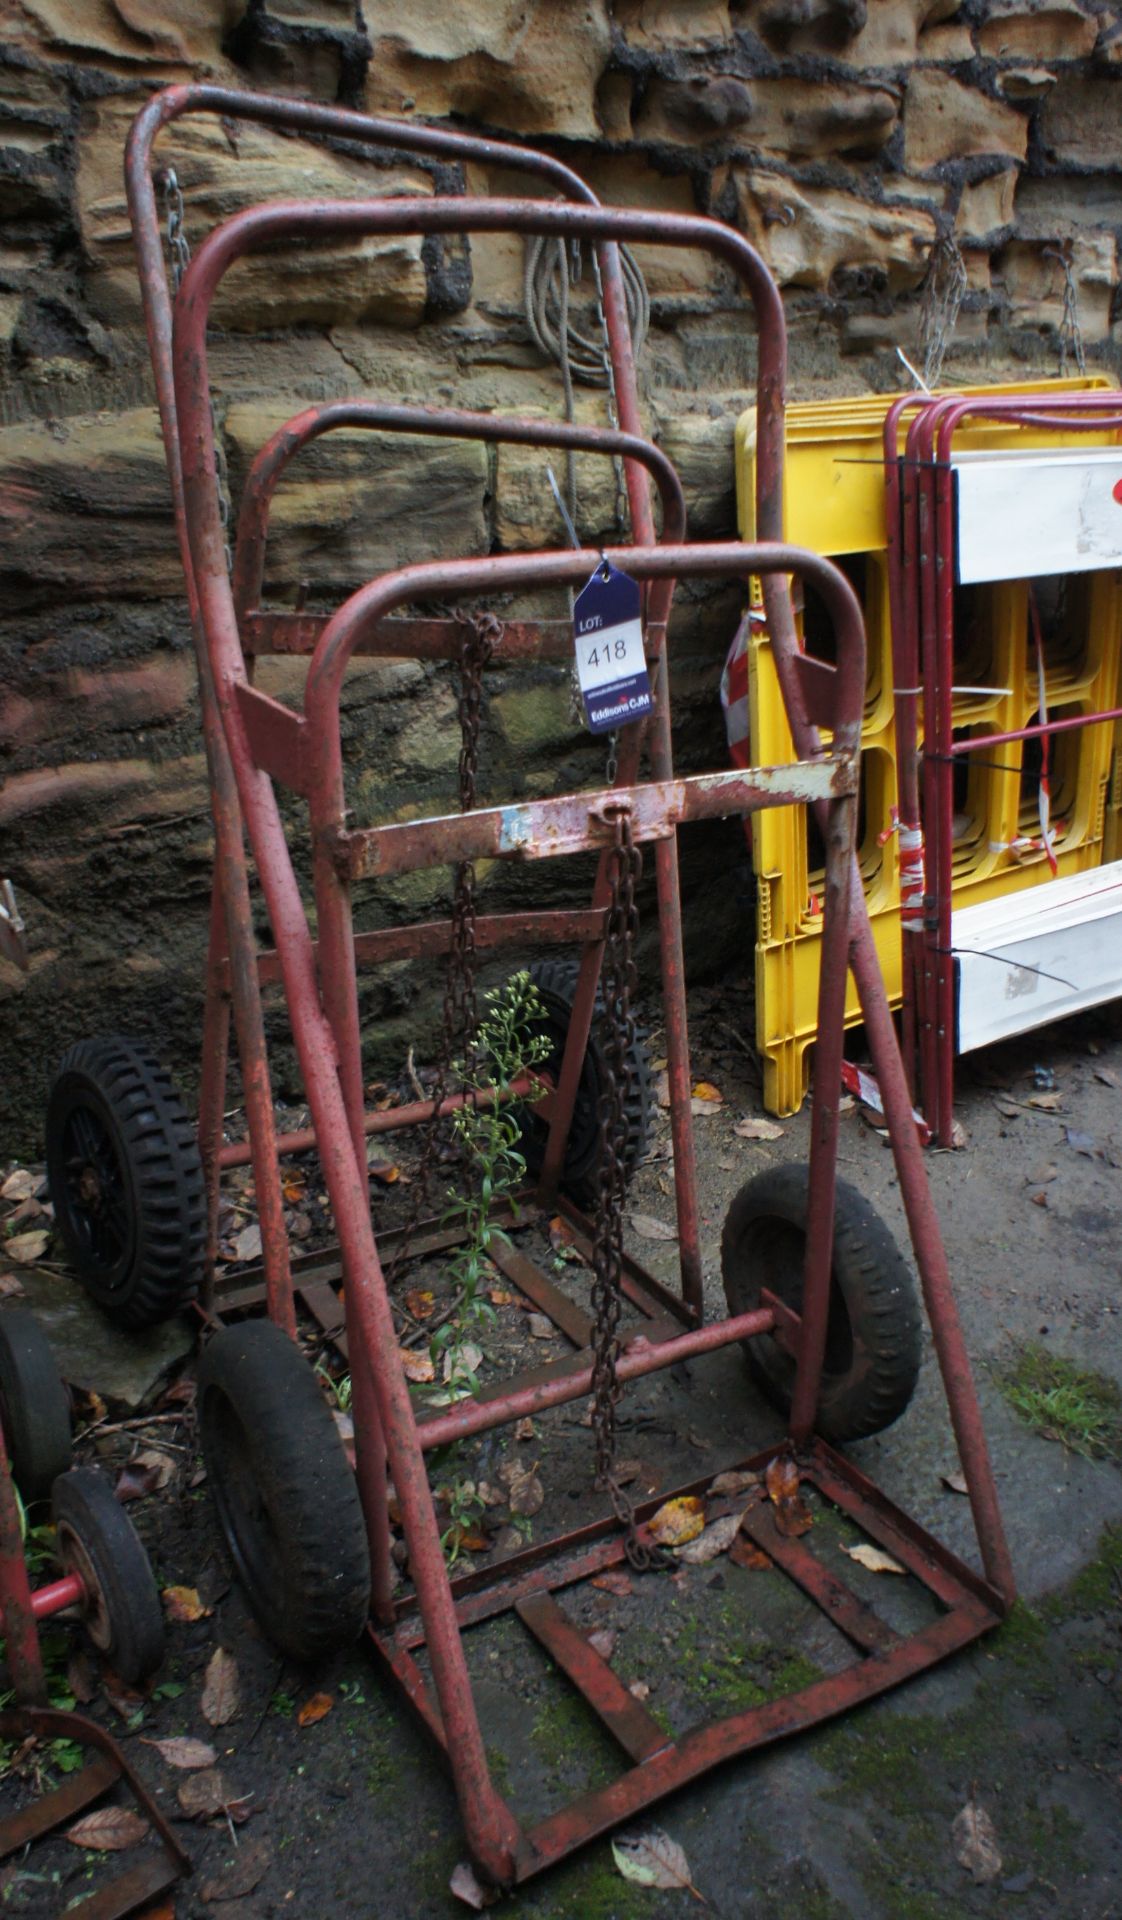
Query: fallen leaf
[[652, 1859], [873, 1560], [80, 1676], [707, 1092], [726, 1165], [293, 1185], [540, 1326], [247, 1867], [614, 1582], [421, 1302], [20, 1185], [736, 1480], [135, 1481], [639, 1690], [745, 1553], [160, 1463], [1084, 1143], [526, 1494], [975, 1843], [677, 1521], [703, 1109], [716, 1539], [562, 1240], [109, 1830], [1106, 1074], [10, 1286], [461, 1360], [471, 1891], [500, 1296], [25, 1249], [1039, 1199], [524, 1429], [125, 1701], [648, 1228], [206, 1794], [1042, 1176], [247, 1246], [625, 1471], [752, 1129], [792, 1516], [384, 1171], [490, 1496], [182, 1751], [221, 1700], [316, 1707], [662, 1089], [417, 1366], [27, 1210], [1046, 1102], [603, 1642], [955, 1481]]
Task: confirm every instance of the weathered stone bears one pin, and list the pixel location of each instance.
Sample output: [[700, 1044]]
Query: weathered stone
[[701, 449], [986, 206], [1080, 124], [154, 34], [807, 233], [85, 798], [124, 1368], [219, 174], [672, 23], [946, 120], [1032, 279], [614, 97], [1026, 83], [927, 193], [859, 35], [536, 718], [80, 701], [353, 504], [1053, 208], [798, 118], [530, 66], [526, 514], [1037, 30], [946, 45], [85, 509], [1108, 47]]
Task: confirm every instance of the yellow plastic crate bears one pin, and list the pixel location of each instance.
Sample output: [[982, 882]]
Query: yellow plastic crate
[[834, 503]]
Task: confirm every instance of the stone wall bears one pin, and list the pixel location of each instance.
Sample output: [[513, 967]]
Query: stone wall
[[843, 137]]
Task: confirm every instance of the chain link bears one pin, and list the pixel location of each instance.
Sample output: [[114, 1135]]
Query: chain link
[[1070, 332], [179, 259], [619, 980], [944, 288]]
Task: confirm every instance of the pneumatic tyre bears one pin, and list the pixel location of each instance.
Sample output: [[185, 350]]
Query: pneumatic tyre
[[97, 1540], [287, 1500], [555, 982], [34, 1408], [873, 1330], [126, 1181]]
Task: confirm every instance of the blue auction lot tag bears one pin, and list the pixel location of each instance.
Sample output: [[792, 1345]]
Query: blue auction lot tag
[[611, 665]]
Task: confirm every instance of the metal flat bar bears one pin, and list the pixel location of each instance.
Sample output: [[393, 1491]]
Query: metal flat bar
[[572, 1320], [581, 822], [130, 1891], [407, 1676], [640, 1287], [549, 926], [859, 1623], [62, 1803], [702, 1748], [326, 1308], [627, 1721]]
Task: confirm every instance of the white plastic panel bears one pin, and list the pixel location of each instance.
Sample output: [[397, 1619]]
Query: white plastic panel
[[1038, 955], [1034, 513]]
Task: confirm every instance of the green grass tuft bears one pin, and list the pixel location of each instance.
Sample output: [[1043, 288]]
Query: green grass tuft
[[1061, 1401]]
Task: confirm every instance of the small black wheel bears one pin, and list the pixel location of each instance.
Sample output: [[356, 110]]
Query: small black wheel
[[34, 1408], [97, 1540], [873, 1330], [556, 983], [286, 1498], [126, 1181]]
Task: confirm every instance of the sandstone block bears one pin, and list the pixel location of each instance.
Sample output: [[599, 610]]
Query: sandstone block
[[1037, 30], [701, 448], [353, 504], [1080, 124], [530, 66], [1032, 280], [85, 510], [946, 45], [859, 35], [986, 205], [807, 233], [158, 36], [71, 706], [305, 284], [1052, 208], [945, 120], [526, 514], [535, 719], [1025, 84], [672, 23], [800, 119]]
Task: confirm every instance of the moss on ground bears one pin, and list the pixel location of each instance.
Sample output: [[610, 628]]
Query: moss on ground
[[1064, 1402]]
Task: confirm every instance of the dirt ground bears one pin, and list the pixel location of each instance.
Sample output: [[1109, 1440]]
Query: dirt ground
[[351, 1814]]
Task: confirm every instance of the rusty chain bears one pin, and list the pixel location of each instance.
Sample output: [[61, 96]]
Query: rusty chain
[[179, 259], [618, 981]]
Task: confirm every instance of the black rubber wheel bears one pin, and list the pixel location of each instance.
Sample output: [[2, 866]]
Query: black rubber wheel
[[873, 1330], [286, 1498], [97, 1540], [34, 1408], [556, 983], [126, 1181]]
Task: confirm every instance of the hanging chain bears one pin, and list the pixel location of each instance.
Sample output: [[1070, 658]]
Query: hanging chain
[[1070, 332], [944, 287], [480, 634], [179, 257], [619, 980]]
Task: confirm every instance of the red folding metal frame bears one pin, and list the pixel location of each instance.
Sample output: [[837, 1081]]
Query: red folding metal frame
[[254, 743]]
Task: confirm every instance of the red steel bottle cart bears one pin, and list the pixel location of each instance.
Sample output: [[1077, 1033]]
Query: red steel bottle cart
[[255, 745]]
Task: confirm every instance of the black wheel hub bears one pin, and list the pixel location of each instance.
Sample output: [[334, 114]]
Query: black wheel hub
[[95, 1199]]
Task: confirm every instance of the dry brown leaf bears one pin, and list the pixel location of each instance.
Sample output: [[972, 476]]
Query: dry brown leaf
[[1046, 1102], [525, 1429], [205, 1794], [182, 1751], [1106, 1074], [603, 1642], [653, 1859], [135, 1481], [221, 1700], [247, 1246], [316, 1707], [242, 1872], [975, 1843], [873, 1560], [562, 1238], [707, 1092], [614, 1582], [1042, 1176], [19, 1185], [639, 1690], [716, 1539], [736, 1480], [648, 1228], [792, 1517], [677, 1521], [526, 1494], [461, 1360], [421, 1302], [10, 1287], [955, 1482], [745, 1553], [753, 1129], [662, 1088], [490, 1496], [108, 1830], [155, 1460], [25, 1249], [80, 1676], [500, 1296], [384, 1171], [417, 1366], [540, 1326]]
